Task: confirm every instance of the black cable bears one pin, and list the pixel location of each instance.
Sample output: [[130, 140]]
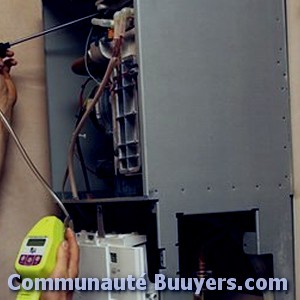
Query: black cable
[[83, 166], [81, 157]]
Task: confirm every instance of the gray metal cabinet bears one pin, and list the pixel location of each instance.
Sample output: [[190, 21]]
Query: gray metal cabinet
[[215, 117]]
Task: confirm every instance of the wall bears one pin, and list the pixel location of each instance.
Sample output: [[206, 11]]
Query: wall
[[22, 200], [293, 12]]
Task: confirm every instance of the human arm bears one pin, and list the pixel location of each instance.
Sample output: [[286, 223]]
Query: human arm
[[8, 98]]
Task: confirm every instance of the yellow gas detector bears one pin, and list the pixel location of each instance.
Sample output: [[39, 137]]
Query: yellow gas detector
[[37, 255]]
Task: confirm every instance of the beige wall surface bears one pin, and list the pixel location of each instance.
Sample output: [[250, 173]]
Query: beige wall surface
[[293, 13], [22, 200]]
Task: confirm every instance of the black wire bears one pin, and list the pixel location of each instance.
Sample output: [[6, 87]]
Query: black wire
[[95, 122], [81, 157], [83, 166]]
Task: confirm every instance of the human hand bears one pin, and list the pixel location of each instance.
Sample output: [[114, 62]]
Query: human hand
[[66, 266], [8, 92]]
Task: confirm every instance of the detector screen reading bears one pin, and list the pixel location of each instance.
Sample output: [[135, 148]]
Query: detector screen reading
[[36, 242]]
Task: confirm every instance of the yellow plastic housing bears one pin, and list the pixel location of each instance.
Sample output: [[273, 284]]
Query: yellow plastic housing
[[28, 295], [52, 229]]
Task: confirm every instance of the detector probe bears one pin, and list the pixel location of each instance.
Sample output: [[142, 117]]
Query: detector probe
[[5, 46]]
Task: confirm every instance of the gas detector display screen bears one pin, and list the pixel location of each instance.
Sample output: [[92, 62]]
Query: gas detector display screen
[[36, 242]]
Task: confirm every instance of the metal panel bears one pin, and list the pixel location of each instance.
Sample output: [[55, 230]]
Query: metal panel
[[215, 116]]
